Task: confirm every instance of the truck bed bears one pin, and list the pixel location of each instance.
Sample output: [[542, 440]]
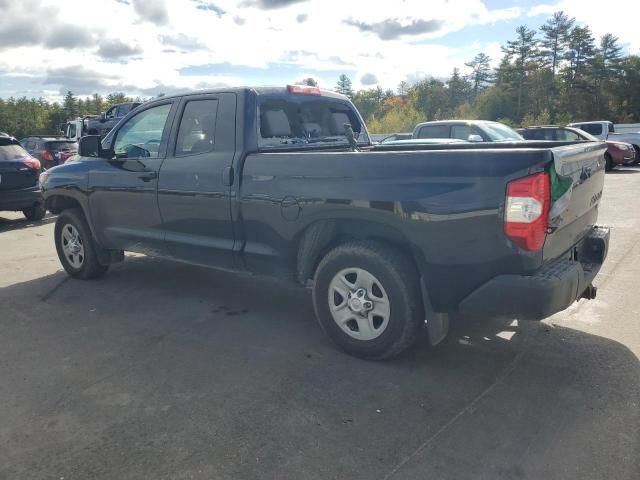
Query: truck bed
[[445, 202]]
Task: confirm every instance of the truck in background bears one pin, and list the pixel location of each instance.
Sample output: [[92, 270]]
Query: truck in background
[[97, 124]]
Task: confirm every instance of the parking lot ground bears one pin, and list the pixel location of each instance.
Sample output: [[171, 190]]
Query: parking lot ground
[[162, 370]]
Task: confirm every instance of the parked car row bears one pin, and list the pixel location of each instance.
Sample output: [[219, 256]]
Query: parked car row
[[50, 150], [618, 153]]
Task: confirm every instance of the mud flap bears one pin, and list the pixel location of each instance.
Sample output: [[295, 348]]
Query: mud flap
[[437, 323]]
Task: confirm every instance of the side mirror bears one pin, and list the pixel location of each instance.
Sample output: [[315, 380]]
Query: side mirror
[[90, 146], [103, 117], [475, 138], [63, 127]]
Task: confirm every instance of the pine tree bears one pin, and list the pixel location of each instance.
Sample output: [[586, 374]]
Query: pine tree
[[344, 86], [525, 55], [403, 88], [480, 72], [555, 38], [310, 81], [458, 90], [70, 105]]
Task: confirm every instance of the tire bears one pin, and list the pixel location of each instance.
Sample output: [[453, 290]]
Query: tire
[[383, 331], [35, 213], [82, 264], [608, 163], [637, 148]]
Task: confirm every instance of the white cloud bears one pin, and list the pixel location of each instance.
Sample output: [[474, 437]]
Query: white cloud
[[154, 40]]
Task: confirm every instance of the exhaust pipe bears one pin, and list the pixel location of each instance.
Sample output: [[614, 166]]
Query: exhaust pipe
[[590, 292]]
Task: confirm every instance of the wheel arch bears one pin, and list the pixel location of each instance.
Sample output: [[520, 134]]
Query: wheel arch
[[320, 237]]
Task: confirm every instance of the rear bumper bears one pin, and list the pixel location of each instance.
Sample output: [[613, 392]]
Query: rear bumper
[[550, 290], [20, 199]]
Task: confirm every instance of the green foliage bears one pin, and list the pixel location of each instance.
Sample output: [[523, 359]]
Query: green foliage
[[22, 117], [344, 86]]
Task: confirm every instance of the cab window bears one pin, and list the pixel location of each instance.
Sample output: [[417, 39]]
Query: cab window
[[434, 131], [197, 127], [141, 135]]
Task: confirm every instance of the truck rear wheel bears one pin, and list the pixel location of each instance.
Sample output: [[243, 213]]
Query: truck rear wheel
[[76, 247], [367, 299]]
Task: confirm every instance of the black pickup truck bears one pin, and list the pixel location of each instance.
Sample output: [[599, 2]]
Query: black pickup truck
[[285, 182]]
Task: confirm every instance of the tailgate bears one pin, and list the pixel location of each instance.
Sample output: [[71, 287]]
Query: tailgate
[[576, 190]]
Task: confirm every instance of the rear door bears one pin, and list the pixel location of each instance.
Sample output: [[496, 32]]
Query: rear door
[[193, 190], [123, 190]]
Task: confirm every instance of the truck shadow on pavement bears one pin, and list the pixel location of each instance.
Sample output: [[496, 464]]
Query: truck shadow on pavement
[[162, 370], [8, 224]]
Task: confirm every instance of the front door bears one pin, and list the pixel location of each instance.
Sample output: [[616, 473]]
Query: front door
[[193, 189], [123, 190]]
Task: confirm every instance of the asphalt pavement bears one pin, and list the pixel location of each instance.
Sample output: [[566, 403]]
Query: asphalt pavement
[[168, 371]]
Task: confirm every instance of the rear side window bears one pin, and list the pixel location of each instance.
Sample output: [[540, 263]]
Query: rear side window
[[141, 135], [592, 128], [567, 135], [461, 132], [197, 127], [12, 152], [434, 131]]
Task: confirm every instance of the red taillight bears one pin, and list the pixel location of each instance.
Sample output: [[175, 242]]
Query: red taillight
[[303, 90], [526, 213], [32, 163], [46, 156]]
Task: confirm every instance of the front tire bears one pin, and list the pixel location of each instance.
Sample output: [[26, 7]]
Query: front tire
[[35, 213], [76, 247], [608, 163], [367, 299]]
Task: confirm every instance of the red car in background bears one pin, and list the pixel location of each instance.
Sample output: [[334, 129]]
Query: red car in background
[[618, 153]]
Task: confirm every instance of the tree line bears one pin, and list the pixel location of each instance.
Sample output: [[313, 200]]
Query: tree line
[[556, 74], [22, 116]]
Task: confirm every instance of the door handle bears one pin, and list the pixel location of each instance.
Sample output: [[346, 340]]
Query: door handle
[[227, 176], [146, 177]]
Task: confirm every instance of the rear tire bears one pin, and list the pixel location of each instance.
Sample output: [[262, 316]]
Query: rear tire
[[367, 299], [35, 213], [76, 247]]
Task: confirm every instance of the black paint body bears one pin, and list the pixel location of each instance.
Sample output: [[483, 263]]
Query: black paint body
[[277, 211]]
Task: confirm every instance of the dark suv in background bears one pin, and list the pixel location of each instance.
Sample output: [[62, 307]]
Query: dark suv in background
[[19, 180], [50, 150]]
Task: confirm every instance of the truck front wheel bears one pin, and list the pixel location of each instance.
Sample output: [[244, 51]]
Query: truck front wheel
[[76, 247], [367, 299]]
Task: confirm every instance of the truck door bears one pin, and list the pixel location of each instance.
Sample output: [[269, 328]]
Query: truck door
[[123, 190], [193, 194]]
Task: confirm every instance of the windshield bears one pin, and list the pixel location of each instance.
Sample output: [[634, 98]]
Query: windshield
[[300, 119], [498, 132]]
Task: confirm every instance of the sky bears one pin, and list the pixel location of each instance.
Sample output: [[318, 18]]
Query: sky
[[148, 47]]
